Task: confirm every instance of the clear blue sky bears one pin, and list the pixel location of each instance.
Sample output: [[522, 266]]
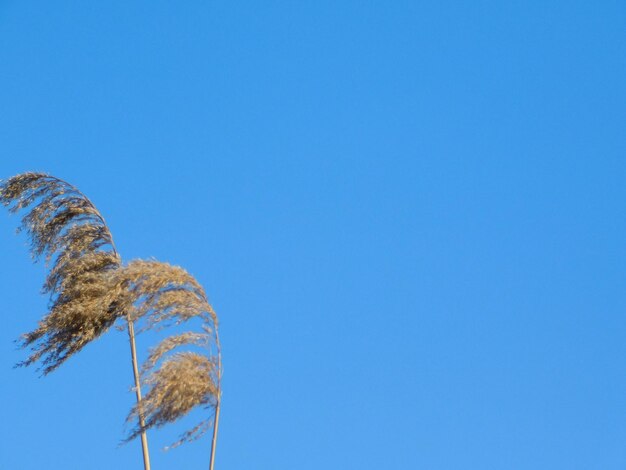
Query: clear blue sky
[[410, 217]]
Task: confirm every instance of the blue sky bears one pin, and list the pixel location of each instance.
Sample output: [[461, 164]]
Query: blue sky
[[409, 216]]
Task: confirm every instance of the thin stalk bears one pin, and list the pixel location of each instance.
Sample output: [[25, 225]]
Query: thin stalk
[[216, 420], [142, 423], [215, 426]]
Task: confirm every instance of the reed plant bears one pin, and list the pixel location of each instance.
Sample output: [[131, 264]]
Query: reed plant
[[91, 290]]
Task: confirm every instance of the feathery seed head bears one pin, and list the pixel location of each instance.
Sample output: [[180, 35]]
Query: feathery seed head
[[66, 228], [90, 289], [162, 295]]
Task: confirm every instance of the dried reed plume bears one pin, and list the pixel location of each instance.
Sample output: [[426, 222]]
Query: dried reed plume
[[66, 229], [162, 295], [90, 289]]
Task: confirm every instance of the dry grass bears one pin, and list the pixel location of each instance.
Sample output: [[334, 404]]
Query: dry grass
[[163, 294], [66, 229], [181, 383], [90, 289], [176, 383]]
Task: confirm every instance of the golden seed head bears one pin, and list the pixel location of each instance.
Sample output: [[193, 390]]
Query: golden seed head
[[90, 289]]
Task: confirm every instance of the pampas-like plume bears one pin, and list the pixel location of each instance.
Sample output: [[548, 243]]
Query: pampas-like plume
[[66, 229], [161, 295], [90, 289]]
